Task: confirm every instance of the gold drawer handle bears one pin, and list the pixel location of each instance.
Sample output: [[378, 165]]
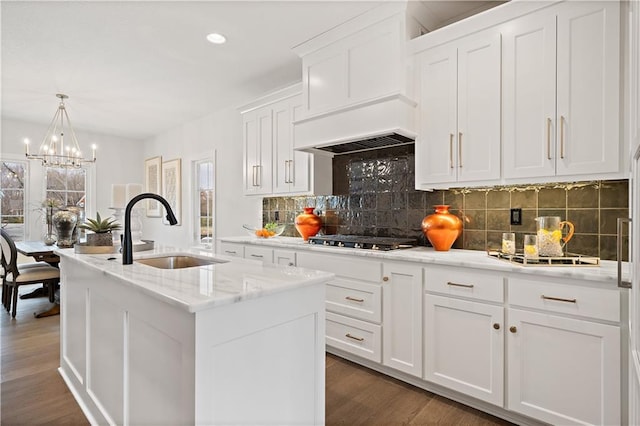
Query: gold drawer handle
[[558, 299], [513, 329], [459, 285], [359, 339], [257, 255], [496, 326], [231, 252], [353, 299]]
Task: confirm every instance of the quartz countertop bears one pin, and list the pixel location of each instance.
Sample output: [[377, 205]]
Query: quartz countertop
[[605, 273], [203, 287]]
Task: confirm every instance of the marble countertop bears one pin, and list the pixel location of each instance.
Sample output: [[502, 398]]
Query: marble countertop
[[605, 273], [198, 288]]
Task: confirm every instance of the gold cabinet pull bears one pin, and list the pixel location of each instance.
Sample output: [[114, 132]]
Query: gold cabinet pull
[[286, 167], [353, 299], [562, 136], [451, 150], [513, 329], [496, 326], [385, 279], [230, 251], [459, 285], [558, 299], [359, 339], [258, 180], [291, 171], [548, 139], [460, 149], [257, 255]]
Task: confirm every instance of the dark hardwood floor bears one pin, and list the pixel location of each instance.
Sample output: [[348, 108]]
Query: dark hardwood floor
[[33, 393]]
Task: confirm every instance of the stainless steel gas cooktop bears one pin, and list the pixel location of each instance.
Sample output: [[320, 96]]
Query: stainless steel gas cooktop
[[363, 242]]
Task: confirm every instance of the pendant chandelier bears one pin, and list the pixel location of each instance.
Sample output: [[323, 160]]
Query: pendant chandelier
[[55, 150]]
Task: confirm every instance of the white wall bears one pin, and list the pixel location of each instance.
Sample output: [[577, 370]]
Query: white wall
[[219, 133], [119, 160]]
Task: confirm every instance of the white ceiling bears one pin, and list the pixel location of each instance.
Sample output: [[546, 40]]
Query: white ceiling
[[135, 69]]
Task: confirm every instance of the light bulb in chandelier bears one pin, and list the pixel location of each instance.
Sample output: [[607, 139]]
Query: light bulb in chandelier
[[55, 150]]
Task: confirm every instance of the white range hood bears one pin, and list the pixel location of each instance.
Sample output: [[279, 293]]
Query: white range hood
[[356, 80]]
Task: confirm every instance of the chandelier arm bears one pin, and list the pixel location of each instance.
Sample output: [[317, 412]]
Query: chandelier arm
[[74, 139], [50, 129]]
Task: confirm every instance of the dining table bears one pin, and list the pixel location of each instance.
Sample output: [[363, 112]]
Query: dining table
[[40, 252]]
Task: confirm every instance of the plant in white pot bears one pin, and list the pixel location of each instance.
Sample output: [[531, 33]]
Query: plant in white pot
[[101, 229]]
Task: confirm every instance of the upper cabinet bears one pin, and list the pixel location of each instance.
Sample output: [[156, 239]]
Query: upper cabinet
[[529, 92], [459, 136], [257, 140], [271, 166], [561, 91], [356, 82]]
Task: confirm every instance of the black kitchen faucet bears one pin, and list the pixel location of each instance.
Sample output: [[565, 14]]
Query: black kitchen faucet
[[127, 249]]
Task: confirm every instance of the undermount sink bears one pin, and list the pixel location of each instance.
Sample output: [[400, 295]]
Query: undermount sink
[[178, 261]]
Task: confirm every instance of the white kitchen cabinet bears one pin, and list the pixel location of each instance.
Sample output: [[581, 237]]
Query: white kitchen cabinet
[[257, 140], [353, 302], [264, 254], [634, 75], [284, 257], [402, 317], [271, 165], [464, 346], [563, 370], [563, 350], [459, 137], [561, 92], [231, 249], [464, 331]]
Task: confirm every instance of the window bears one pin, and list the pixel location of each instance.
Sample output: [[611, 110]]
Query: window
[[204, 209], [12, 197], [66, 185]]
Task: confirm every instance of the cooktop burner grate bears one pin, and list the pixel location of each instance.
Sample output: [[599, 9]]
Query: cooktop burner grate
[[363, 242]]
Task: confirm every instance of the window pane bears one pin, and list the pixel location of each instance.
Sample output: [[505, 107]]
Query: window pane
[[56, 179], [75, 180], [58, 195], [12, 203], [73, 198], [12, 175], [204, 182]]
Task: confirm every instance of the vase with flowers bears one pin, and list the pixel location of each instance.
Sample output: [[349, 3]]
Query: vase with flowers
[[50, 206]]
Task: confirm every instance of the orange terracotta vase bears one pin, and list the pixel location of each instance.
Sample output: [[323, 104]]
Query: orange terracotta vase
[[308, 224], [441, 228]]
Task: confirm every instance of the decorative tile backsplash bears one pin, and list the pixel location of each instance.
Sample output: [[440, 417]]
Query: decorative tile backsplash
[[374, 195]]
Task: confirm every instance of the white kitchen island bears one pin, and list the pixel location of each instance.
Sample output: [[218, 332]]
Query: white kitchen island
[[228, 343]]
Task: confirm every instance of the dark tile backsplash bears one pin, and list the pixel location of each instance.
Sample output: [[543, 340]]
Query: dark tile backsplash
[[374, 195]]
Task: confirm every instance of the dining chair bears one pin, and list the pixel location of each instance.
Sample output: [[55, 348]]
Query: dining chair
[[15, 275]]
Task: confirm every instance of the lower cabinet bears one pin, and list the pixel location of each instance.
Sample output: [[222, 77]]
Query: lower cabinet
[[464, 347], [402, 317], [536, 346], [563, 370]]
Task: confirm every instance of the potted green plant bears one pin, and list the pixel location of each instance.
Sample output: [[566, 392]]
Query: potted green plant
[[101, 229]]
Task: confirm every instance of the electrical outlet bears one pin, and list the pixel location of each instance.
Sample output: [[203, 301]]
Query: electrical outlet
[[276, 215], [516, 216]]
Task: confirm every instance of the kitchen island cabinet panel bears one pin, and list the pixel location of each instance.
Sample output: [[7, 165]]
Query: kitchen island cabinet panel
[[193, 345]]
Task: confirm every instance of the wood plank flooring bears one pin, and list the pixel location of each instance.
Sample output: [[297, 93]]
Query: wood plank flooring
[[33, 393]]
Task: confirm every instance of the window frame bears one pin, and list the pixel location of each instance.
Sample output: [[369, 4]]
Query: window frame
[[26, 217], [196, 234]]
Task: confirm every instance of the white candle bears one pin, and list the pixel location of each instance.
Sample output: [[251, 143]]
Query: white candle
[[26, 146], [118, 195], [93, 149], [133, 189]]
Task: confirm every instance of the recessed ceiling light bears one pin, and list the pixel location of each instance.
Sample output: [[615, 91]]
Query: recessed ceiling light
[[216, 38]]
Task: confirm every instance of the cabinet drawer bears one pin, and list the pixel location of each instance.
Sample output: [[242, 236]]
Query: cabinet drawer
[[357, 300], [556, 296], [259, 253], [284, 257], [346, 266], [354, 336], [231, 249], [472, 283]]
